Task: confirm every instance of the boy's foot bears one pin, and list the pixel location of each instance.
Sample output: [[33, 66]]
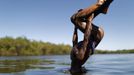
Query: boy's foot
[[100, 2], [106, 5]]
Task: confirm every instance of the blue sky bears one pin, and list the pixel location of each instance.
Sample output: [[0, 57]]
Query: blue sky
[[49, 21]]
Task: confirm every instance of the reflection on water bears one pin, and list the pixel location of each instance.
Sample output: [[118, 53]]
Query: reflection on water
[[8, 66], [114, 64]]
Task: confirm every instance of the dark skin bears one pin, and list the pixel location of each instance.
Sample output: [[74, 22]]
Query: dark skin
[[92, 34]]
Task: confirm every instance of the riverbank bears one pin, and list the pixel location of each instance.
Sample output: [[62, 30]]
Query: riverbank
[[21, 46]]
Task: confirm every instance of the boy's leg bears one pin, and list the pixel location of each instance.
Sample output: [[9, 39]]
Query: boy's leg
[[97, 8], [88, 11], [77, 18]]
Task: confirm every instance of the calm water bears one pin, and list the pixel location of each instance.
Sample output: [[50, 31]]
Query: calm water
[[112, 64]]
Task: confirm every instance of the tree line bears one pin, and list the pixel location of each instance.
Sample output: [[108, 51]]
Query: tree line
[[124, 51], [21, 46]]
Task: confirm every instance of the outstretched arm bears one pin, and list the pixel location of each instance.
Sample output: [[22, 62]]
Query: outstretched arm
[[75, 37], [87, 32]]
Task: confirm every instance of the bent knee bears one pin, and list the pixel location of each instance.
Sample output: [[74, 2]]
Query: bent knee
[[73, 18]]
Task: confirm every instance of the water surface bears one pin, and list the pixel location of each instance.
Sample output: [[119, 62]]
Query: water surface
[[109, 64]]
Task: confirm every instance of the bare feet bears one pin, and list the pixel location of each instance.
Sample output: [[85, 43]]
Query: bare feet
[[100, 2]]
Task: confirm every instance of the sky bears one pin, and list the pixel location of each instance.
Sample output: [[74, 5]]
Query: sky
[[49, 21]]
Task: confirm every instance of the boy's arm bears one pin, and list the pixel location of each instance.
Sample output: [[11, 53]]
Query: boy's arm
[[87, 32], [75, 37]]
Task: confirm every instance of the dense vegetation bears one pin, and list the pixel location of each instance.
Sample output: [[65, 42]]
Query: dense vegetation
[[114, 52], [22, 46]]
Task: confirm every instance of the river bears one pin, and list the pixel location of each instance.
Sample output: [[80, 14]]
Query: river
[[99, 64]]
